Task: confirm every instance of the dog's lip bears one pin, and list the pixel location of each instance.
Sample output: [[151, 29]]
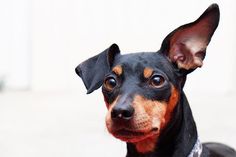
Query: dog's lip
[[134, 135], [125, 132]]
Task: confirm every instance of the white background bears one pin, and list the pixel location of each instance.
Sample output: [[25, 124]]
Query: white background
[[44, 109]]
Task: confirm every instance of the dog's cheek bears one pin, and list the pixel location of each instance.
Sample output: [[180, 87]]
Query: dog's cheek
[[158, 115], [149, 114], [108, 120], [154, 111], [172, 103], [162, 112], [109, 123], [141, 120]]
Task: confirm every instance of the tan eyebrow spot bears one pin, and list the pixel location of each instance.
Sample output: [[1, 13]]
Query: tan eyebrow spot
[[117, 70], [147, 72]]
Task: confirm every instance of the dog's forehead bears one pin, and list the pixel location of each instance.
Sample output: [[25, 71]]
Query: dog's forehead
[[137, 62]]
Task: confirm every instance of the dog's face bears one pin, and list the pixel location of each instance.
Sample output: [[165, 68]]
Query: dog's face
[[142, 90]]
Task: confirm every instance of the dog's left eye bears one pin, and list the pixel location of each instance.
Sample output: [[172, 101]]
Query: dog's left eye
[[110, 83], [157, 81]]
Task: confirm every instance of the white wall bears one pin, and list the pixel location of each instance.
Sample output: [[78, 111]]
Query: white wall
[[15, 43], [66, 32]]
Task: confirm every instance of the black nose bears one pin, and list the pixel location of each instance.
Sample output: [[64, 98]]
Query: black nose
[[122, 112]]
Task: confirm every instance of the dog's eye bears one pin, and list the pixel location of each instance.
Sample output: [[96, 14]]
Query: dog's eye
[[110, 83], [157, 81]]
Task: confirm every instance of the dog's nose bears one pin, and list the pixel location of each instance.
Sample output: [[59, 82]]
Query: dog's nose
[[124, 112]]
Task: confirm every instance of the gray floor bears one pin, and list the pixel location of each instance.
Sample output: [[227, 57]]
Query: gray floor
[[71, 124]]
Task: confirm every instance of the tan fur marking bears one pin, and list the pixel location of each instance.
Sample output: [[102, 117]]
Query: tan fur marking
[[117, 70], [171, 104], [159, 114], [154, 111], [147, 72], [147, 145]]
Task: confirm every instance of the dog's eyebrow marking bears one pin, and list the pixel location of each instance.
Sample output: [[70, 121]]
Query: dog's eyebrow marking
[[117, 70], [147, 72]]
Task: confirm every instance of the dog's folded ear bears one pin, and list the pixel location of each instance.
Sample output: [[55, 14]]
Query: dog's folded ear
[[93, 70], [186, 45]]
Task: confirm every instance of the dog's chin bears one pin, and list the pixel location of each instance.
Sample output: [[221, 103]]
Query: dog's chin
[[133, 136]]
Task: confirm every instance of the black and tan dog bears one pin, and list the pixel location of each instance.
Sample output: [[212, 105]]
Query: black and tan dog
[[143, 92]]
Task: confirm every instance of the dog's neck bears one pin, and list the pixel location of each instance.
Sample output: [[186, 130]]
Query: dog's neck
[[177, 139]]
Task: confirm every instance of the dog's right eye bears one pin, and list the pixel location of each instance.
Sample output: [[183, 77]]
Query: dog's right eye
[[110, 83]]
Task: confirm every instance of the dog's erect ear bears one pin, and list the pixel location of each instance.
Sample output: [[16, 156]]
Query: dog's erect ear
[[186, 45], [93, 70]]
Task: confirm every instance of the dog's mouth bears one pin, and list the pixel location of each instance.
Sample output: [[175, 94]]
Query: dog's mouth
[[133, 136]]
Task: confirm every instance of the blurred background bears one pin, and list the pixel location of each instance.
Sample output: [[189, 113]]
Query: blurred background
[[44, 110]]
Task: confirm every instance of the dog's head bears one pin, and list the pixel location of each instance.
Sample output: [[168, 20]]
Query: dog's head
[[141, 90]]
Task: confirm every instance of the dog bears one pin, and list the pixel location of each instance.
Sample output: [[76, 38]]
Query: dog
[[143, 92]]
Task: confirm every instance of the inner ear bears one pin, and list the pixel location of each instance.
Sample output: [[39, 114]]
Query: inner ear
[[186, 45]]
